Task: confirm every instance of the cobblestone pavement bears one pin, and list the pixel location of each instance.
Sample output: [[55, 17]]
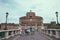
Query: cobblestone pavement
[[35, 36]]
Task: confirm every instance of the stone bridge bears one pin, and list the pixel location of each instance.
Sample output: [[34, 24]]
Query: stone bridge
[[43, 35]]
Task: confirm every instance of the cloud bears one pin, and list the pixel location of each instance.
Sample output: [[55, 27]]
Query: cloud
[[18, 8]]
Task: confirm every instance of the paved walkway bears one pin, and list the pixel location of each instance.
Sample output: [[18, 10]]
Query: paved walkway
[[35, 36]]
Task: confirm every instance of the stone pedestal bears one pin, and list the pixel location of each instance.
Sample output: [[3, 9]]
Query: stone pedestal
[[6, 35], [47, 32], [57, 34], [51, 34], [12, 33], [16, 32]]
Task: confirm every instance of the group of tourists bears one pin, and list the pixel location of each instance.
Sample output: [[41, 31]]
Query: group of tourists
[[29, 31]]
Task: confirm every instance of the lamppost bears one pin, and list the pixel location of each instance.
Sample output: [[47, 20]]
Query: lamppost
[[6, 21], [57, 17], [30, 23]]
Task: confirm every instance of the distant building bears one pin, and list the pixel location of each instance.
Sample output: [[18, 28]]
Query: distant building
[[46, 25], [50, 25], [53, 25], [9, 26], [30, 20]]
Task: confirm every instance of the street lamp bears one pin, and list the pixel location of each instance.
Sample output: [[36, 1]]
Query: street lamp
[[57, 17], [6, 21], [30, 21]]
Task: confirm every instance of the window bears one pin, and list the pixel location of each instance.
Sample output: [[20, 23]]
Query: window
[[30, 16]]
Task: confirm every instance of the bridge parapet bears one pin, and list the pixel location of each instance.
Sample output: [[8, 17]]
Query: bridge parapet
[[5, 34], [52, 32]]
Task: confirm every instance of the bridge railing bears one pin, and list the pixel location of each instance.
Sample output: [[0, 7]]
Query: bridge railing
[[52, 32], [5, 34]]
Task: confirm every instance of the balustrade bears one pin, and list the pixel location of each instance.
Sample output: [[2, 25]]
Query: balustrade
[[52, 32], [5, 34]]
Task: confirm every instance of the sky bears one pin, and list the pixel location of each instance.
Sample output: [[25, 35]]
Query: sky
[[19, 8]]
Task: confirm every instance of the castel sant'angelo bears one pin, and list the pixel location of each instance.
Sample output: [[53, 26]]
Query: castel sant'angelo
[[30, 20]]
